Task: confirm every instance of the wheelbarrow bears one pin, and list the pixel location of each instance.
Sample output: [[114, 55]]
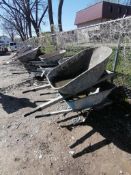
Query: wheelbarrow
[[79, 72], [27, 55], [49, 60], [77, 103]]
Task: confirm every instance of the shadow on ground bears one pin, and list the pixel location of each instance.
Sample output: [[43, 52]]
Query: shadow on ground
[[12, 104], [113, 123]]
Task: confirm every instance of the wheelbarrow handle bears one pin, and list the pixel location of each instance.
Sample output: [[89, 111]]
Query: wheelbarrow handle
[[37, 88], [45, 105], [54, 113]]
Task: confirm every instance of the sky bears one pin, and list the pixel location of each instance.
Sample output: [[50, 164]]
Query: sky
[[70, 7]]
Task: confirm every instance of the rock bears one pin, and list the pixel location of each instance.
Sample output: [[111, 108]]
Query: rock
[[8, 126], [73, 138], [40, 156], [121, 172], [72, 152], [17, 159]]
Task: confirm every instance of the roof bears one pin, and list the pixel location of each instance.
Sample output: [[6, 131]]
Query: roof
[[99, 10]]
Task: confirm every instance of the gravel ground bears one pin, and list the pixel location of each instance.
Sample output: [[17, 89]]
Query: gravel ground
[[58, 145]]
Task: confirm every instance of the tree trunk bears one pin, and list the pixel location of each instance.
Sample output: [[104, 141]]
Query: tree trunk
[[60, 15], [50, 12], [29, 28], [37, 30]]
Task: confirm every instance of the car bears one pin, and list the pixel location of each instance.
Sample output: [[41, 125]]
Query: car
[[12, 46]]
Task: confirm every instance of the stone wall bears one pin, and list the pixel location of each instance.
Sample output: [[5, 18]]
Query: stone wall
[[102, 33], [106, 32]]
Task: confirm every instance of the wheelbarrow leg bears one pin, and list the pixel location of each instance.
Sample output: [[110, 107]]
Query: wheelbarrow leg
[[48, 93], [37, 88], [54, 113], [45, 105]]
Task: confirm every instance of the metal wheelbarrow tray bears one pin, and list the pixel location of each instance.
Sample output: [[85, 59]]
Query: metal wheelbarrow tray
[[22, 50], [52, 58], [90, 101], [27, 55], [45, 68], [42, 72], [79, 72], [47, 62]]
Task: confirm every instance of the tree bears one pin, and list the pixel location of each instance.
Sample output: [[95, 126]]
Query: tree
[[15, 19], [50, 13], [35, 12], [24, 15], [9, 29], [60, 15]]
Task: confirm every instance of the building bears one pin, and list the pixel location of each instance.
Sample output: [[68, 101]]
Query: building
[[4, 39], [101, 12]]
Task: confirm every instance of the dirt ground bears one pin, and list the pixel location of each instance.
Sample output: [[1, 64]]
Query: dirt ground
[[58, 145]]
